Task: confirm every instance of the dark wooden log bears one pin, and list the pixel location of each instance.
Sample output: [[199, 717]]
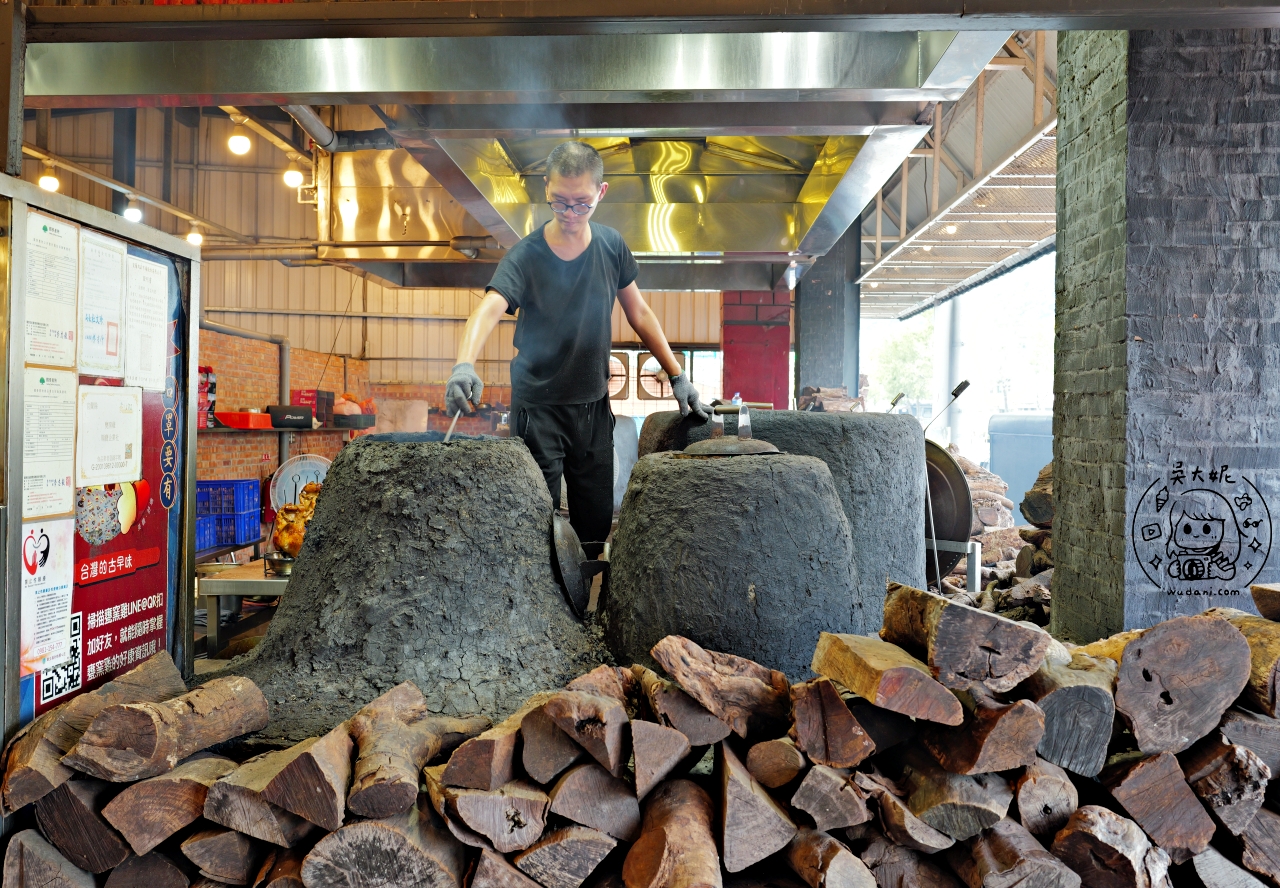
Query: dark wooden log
[[493, 871], [1263, 638], [656, 750], [960, 806], [995, 736], [33, 762], [606, 681], [564, 858], [1258, 733], [825, 863], [899, 824], [31, 862], [825, 729], [545, 749], [511, 817], [1154, 793], [151, 811], [314, 778], [1007, 855], [590, 795], [740, 692], [885, 675], [676, 709], [1076, 698], [1261, 845], [133, 741], [886, 728], [676, 848], [152, 870], [1046, 798], [223, 854], [753, 826], [1209, 869], [962, 645], [412, 848], [775, 763], [438, 794], [1230, 779], [1109, 851], [1266, 598], [598, 724], [71, 818], [285, 870], [831, 798], [395, 736], [487, 761], [235, 801], [895, 866]]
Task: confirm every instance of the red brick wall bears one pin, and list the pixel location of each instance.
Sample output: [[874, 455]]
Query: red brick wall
[[433, 394]]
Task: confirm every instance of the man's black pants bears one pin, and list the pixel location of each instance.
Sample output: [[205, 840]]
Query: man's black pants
[[574, 441]]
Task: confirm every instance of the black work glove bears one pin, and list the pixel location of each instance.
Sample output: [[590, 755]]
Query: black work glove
[[464, 385], [687, 397]]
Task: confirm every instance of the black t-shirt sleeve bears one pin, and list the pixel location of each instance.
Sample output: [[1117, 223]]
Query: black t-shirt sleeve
[[628, 270], [510, 281]]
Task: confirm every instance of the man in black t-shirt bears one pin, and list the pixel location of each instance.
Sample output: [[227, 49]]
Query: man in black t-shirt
[[563, 279]]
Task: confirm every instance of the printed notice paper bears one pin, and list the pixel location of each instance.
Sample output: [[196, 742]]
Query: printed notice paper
[[109, 445], [101, 304], [48, 563], [52, 262], [48, 442], [146, 323]]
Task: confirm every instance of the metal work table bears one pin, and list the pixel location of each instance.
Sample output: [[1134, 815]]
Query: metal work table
[[244, 581]]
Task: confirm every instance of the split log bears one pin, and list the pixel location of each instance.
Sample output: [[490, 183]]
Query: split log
[[753, 826], [1258, 733], [958, 805], [436, 793], [33, 759], [885, 675], [133, 741], [1046, 798], [1154, 793], [31, 862], [546, 750], [313, 779], [395, 736], [71, 818], [598, 724], [487, 761], [1209, 869], [1263, 637], [151, 811], [899, 824], [1008, 855], [412, 848], [1079, 709], [775, 763], [564, 858], [676, 709], [675, 848], [886, 728], [511, 817], [152, 870], [825, 863], [1231, 780], [590, 795], [1266, 598], [825, 729], [285, 870], [656, 751], [740, 692], [1177, 678], [235, 801], [223, 854], [962, 645], [1261, 845], [606, 681], [895, 866], [493, 871], [1109, 851], [995, 736], [831, 798]]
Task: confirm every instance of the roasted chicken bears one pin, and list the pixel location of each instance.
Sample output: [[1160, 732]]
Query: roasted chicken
[[292, 521]]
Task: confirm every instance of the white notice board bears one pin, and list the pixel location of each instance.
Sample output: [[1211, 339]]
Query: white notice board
[[48, 568], [146, 323], [53, 253], [109, 443], [102, 262], [48, 442]]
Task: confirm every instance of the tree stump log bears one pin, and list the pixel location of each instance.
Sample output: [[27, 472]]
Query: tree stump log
[[775, 763], [1046, 798], [1008, 855], [71, 818], [825, 863], [545, 749], [995, 736], [963, 646], [152, 870], [955, 804], [1109, 851], [895, 866], [285, 870], [899, 824], [493, 871], [597, 724], [235, 801], [1209, 869], [825, 729], [753, 825], [885, 675], [314, 779], [511, 817], [740, 692], [656, 750], [223, 855], [1266, 598], [412, 850], [1263, 637], [487, 761], [831, 798], [438, 794], [676, 709], [31, 862], [1154, 793], [152, 810], [1261, 845], [564, 858], [1258, 733], [1231, 780], [1079, 709], [676, 848], [590, 795]]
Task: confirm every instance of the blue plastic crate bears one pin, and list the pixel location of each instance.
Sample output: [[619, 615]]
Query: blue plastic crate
[[226, 530], [203, 498], [248, 527], [206, 531], [244, 495]]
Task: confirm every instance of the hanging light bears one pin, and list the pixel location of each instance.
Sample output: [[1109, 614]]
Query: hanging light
[[194, 237], [293, 175], [48, 178], [950, 229], [927, 247], [133, 211], [239, 142]]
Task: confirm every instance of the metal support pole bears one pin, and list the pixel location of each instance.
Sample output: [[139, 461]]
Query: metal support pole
[[166, 182], [13, 51], [973, 568], [902, 219], [879, 223], [979, 111], [934, 197], [1037, 109]]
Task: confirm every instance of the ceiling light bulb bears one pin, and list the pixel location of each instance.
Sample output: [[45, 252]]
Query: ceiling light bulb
[[239, 142], [48, 178], [875, 284], [293, 176], [927, 247], [133, 212], [194, 237], [950, 229]]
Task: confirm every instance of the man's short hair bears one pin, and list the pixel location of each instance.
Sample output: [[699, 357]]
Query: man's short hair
[[568, 160]]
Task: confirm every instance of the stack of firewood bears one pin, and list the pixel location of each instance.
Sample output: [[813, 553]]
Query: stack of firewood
[[958, 748]]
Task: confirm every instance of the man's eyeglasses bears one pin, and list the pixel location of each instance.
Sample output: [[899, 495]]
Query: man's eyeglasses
[[560, 207]]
